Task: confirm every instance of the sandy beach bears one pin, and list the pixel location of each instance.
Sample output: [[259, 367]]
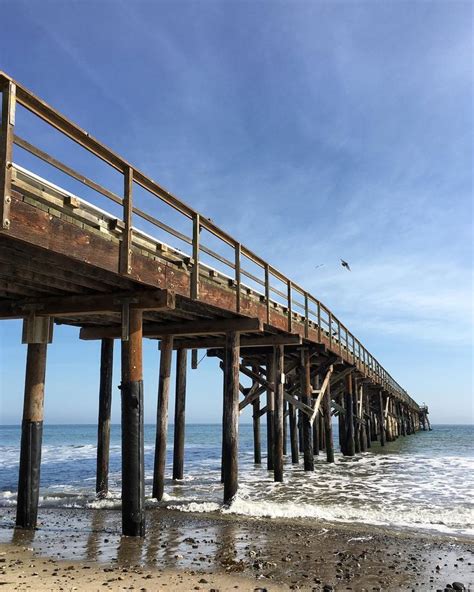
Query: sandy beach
[[77, 549]]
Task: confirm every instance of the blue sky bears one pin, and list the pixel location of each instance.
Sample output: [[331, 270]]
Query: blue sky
[[308, 130]]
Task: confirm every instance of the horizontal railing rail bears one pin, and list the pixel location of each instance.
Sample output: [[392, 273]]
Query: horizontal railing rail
[[299, 305]]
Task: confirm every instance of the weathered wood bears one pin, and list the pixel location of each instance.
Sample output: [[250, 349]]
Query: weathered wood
[[31, 437], [285, 427], [278, 416], [89, 304], [257, 447], [231, 416], [306, 397], [381, 419], [179, 415], [349, 448], [355, 404], [315, 429], [125, 260], [270, 410], [133, 472], [293, 434], [157, 331], [105, 406], [162, 417], [328, 426], [6, 152]]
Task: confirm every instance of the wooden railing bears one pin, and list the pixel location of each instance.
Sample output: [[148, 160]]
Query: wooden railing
[[295, 299]]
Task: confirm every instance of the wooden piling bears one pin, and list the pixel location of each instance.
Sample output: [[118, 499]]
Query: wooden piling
[[257, 447], [278, 417], [381, 419], [322, 432], [293, 434], [355, 405], [105, 406], [179, 414], [162, 417], [315, 429], [349, 448], [31, 437], [316, 437], [285, 428], [133, 474], [328, 425], [342, 425], [231, 416], [306, 397], [270, 411]]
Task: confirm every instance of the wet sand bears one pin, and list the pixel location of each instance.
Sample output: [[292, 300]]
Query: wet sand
[[77, 549]]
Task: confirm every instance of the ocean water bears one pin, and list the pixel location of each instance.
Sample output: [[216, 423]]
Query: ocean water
[[422, 482]]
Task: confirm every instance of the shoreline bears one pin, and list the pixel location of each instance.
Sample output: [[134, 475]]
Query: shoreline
[[228, 550]]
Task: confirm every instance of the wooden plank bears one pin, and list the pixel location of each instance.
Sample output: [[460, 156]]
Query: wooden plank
[[125, 262], [6, 152]]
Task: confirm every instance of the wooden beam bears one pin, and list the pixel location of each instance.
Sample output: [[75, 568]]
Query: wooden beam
[[88, 304], [321, 393], [155, 330]]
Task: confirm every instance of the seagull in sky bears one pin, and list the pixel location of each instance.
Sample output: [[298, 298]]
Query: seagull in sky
[[345, 264], [320, 265]]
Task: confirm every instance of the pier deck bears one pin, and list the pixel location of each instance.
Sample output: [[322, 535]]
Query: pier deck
[[65, 260]]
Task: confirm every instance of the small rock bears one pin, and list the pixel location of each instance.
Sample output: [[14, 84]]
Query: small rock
[[458, 586]]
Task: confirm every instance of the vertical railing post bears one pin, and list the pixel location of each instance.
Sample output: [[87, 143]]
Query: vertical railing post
[[125, 260], [288, 290], [306, 315], [339, 336], [6, 152], [267, 291], [195, 271], [319, 321], [330, 328], [238, 253]]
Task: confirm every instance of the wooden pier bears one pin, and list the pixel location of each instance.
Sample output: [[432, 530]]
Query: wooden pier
[[63, 260]]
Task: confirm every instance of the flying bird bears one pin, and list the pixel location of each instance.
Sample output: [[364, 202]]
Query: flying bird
[[345, 264], [320, 265]]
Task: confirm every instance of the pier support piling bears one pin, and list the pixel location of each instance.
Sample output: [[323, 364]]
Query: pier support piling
[[293, 434], [179, 414], [381, 419], [328, 425], [270, 412], [105, 406], [279, 411], [31, 437], [133, 474], [349, 448], [306, 389], [231, 416], [257, 447], [162, 417]]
